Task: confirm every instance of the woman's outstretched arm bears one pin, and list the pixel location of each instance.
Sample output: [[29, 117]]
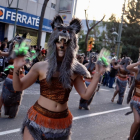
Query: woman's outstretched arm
[[4, 53], [86, 92], [133, 67]]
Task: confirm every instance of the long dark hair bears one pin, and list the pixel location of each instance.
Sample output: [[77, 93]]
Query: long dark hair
[[2, 46]]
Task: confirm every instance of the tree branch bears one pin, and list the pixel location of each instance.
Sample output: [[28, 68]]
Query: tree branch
[[9, 4], [41, 22], [96, 23], [86, 20]]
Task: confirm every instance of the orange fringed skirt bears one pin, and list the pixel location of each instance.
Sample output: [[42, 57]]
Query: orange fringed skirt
[[47, 125]]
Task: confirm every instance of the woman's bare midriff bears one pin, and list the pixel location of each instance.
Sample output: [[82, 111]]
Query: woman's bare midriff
[[51, 105], [45, 102], [138, 90]]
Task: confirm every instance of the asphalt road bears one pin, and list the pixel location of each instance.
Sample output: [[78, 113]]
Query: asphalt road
[[104, 120]]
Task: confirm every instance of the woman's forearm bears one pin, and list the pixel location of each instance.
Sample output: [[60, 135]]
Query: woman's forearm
[[92, 87], [16, 80], [131, 67], [4, 53]]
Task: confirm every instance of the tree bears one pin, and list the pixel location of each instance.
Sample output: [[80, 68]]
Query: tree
[[41, 22], [111, 25], [130, 33], [10, 3], [94, 32], [90, 28], [81, 41]]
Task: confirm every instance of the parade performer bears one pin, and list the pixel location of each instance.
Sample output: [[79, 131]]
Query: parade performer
[[91, 68], [9, 97], [134, 96], [113, 73], [135, 100], [121, 81], [49, 118]]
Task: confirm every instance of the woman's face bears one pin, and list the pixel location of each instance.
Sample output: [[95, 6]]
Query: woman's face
[[61, 48], [11, 71]]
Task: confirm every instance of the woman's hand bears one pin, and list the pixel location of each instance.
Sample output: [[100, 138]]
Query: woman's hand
[[100, 69], [19, 62]]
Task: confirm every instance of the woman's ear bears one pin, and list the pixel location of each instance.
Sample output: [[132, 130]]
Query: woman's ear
[[57, 21], [76, 25]]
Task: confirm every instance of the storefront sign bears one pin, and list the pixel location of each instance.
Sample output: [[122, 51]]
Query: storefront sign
[[64, 17], [23, 19]]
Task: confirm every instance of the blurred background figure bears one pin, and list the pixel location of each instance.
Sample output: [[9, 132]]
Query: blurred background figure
[[113, 73], [80, 58]]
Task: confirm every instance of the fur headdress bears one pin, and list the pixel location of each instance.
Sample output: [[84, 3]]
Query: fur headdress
[[92, 60], [69, 64], [125, 62]]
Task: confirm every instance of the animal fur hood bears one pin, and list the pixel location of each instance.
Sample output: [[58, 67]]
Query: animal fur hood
[[69, 65]]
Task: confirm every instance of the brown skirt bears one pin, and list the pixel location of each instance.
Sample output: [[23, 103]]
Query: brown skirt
[[47, 125]]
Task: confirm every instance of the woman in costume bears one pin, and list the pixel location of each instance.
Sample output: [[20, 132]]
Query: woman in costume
[[49, 118], [134, 96], [10, 98], [91, 68], [121, 81]]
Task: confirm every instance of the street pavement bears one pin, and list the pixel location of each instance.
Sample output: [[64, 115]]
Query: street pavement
[[104, 121]]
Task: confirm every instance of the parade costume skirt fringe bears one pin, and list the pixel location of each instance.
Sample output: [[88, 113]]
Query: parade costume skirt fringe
[[135, 102], [47, 125], [122, 83]]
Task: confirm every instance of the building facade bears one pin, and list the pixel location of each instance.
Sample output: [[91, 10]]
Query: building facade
[[28, 17]]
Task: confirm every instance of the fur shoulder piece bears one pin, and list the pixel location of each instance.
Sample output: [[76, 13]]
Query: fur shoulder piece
[[80, 69]]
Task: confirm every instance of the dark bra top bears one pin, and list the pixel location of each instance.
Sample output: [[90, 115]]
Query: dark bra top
[[122, 71], [137, 84], [55, 90]]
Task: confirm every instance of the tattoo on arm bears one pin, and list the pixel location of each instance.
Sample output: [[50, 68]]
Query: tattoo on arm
[[17, 72]]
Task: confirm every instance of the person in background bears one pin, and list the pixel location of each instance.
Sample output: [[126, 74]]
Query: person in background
[[6, 59], [2, 58], [134, 99], [85, 60], [5, 40], [91, 68], [80, 58], [113, 73], [43, 55], [106, 78], [121, 81]]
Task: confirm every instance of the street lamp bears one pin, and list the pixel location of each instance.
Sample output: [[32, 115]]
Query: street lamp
[[114, 34], [120, 31]]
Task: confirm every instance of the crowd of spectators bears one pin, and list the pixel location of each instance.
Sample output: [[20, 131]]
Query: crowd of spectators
[[108, 77], [4, 61]]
